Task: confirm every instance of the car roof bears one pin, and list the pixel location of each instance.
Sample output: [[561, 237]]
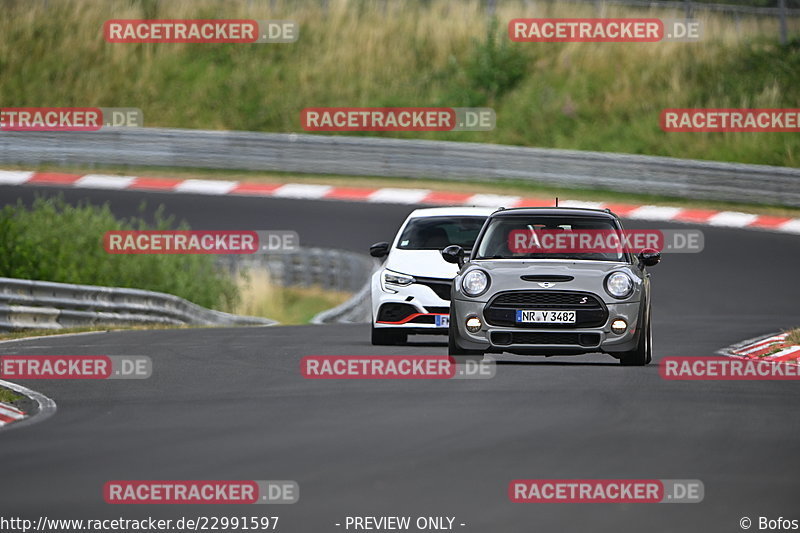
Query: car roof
[[555, 211], [452, 211]]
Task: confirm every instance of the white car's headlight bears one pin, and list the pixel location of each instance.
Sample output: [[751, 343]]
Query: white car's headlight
[[475, 282], [619, 285], [396, 278]]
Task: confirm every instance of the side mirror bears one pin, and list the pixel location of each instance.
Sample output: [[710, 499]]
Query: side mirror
[[379, 249], [454, 254], [649, 257]]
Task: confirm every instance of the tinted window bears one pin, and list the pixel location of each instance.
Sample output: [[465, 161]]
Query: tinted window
[[498, 241], [435, 233]]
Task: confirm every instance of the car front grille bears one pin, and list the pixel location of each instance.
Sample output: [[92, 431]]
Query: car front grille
[[395, 312], [545, 299], [590, 312], [440, 286], [508, 338]]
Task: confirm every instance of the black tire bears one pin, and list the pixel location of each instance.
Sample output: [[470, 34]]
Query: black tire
[[388, 337], [459, 354], [643, 353]]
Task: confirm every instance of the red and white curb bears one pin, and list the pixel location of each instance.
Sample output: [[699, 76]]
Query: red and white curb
[[767, 348], [10, 414], [11, 417], [731, 219]]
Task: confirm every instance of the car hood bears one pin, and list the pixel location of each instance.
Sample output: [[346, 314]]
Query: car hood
[[422, 263], [588, 275], [548, 267]]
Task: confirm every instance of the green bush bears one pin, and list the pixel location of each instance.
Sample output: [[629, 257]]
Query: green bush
[[493, 67], [54, 241]]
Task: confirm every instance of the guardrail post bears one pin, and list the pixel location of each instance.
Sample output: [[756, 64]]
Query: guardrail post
[[782, 21]]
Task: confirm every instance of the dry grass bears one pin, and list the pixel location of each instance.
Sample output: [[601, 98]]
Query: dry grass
[[288, 305], [794, 337]]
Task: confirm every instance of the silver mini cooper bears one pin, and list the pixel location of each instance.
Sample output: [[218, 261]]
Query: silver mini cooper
[[516, 294]]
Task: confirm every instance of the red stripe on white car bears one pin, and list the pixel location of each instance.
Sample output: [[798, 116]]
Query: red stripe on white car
[[409, 318]]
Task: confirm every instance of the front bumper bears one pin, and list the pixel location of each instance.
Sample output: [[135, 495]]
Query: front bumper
[[413, 308], [544, 340]]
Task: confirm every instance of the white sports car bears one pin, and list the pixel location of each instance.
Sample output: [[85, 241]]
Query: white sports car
[[411, 290]]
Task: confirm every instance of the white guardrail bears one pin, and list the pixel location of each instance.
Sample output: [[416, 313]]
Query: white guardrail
[[367, 156], [337, 270], [28, 304]]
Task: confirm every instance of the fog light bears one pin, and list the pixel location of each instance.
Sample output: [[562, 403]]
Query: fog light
[[474, 324], [619, 326]]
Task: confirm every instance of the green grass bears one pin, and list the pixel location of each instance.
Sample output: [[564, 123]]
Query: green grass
[[589, 96], [6, 396], [54, 241]]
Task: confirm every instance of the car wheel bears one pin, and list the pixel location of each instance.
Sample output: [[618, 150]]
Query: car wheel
[[459, 354], [642, 354], [388, 337]]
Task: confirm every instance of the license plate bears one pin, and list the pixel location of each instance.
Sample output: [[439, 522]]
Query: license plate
[[545, 317], [442, 321]]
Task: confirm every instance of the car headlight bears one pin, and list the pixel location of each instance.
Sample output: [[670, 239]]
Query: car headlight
[[396, 278], [475, 282], [619, 285]]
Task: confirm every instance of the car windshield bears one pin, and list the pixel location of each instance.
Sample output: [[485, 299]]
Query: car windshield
[[551, 237], [435, 233]]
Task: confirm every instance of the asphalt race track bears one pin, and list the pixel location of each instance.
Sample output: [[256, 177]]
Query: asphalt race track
[[231, 404]]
